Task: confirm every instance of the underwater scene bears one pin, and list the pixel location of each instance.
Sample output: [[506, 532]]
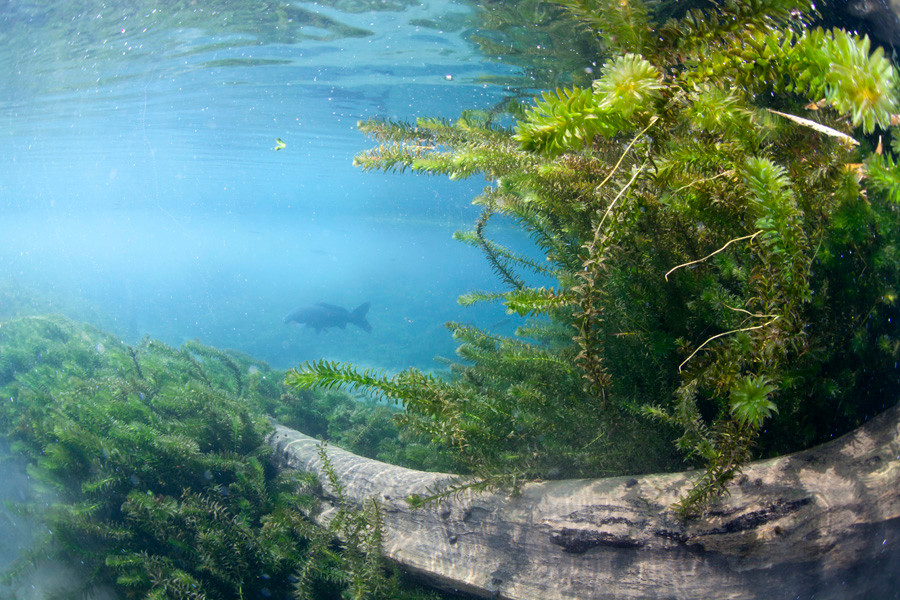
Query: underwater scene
[[435, 299]]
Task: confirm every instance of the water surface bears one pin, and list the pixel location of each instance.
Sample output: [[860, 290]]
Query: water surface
[[141, 189]]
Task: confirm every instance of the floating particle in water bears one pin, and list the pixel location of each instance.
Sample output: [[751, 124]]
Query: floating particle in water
[[100, 348]]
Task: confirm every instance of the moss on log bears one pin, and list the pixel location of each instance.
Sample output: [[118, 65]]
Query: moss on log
[[821, 523]]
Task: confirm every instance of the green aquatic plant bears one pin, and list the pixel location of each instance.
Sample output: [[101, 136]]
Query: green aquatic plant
[[622, 24], [360, 568], [716, 251], [162, 478], [750, 402]]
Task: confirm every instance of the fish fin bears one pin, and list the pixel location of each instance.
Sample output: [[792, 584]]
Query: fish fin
[[331, 306], [361, 310], [359, 317]]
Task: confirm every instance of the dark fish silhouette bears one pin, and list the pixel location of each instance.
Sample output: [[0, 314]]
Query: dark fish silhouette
[[322, 316]]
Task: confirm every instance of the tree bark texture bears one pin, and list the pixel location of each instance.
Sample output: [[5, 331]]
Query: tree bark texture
[[822, 523]]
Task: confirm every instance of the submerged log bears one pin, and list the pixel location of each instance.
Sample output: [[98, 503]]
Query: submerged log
[[821, 523]]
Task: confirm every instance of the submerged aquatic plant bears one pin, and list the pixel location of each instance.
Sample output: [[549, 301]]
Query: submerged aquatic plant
[[750, 402], [164, 482], [724, 246]]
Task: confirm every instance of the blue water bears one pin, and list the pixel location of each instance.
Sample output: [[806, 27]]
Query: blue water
[[140, 189]]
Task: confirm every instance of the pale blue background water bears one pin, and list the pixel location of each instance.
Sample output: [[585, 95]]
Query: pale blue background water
[[140, 188]]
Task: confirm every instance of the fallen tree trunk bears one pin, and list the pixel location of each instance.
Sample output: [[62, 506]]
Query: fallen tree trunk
[[822, 523]]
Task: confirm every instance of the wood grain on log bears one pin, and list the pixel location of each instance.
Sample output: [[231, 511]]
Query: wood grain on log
[[821, 523]]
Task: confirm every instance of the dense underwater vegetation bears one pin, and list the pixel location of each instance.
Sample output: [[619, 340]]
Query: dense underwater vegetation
[[719, 213], [162, 478], [716, 201]]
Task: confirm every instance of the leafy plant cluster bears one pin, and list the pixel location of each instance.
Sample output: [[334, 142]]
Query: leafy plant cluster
[[549, 50], [163, 479], [717, 214], [364, 428]]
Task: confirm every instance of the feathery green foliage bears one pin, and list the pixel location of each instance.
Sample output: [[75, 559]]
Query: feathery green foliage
[[883, 174], [701, 208], [568, 119], [163, 479], [622, 24], [750, 402]]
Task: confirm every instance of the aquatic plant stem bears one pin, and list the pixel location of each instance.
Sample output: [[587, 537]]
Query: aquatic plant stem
[[699, 260], [724, 333], [616, 199], [625, 153]]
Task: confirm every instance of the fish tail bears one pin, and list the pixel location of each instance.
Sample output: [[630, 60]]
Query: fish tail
[[359, 317]]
